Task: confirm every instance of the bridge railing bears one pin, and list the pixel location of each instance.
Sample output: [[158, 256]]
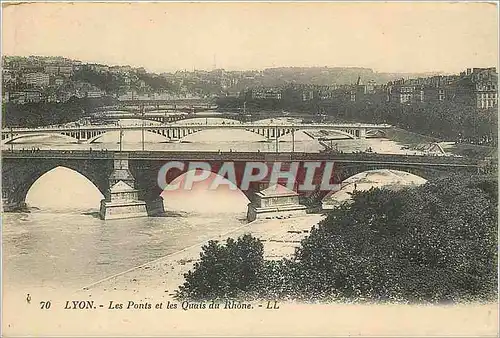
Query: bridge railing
[[298, 156], [83, 154], [243, 156], [399, 157]]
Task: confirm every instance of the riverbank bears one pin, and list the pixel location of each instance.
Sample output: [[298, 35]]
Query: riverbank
[[164, 275]]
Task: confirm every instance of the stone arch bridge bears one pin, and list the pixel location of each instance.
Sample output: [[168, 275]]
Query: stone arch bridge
[[20, 169]]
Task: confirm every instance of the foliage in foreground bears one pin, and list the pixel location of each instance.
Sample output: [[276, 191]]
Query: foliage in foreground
[[225, 270], [433, 243]]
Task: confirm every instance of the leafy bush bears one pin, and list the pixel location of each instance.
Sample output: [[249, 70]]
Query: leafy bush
[[225, 271]]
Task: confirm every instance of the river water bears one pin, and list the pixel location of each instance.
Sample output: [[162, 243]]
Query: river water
[[72, 249], [62, 242]]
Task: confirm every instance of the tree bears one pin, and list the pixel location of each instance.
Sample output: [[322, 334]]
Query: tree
[[226, 270], [44, 113], [433, 243]]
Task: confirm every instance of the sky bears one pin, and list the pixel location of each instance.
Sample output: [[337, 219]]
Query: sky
[[387, 37]]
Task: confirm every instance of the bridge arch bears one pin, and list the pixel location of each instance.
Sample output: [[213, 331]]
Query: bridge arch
[[372, 178], [376, 133], [205, 196], [97, 136], [14, 138], [146, 131], [191, 131], [391, 176], [348, 170], [147, 181], [339, 132], [62, 187], [18, 177], [269, 133], [432, 147]]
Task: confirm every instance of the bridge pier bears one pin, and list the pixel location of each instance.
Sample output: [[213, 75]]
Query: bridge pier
[[362, 133], [9, 205], [122, 199], [272, 202]]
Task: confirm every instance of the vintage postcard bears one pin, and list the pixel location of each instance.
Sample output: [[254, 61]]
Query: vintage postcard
[[249, 169]]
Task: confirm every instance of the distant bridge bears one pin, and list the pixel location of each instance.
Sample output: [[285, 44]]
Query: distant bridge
[[169, 116], [91, 133], [187, 105], [148, 108], [178, 102]]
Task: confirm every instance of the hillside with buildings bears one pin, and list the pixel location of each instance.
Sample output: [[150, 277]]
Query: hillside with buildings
[[57, 79]]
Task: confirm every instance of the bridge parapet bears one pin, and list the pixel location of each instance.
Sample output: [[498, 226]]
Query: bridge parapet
[[72, 154], [245, 156]]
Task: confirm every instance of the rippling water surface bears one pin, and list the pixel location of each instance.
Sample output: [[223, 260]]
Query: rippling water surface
[[73, 249]]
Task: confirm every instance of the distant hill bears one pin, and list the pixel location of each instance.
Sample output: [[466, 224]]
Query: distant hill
[[323, 76], [386, 77], [336, 75]]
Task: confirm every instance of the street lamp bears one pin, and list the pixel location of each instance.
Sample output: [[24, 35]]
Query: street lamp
[[121, 136], [142, 129], [11, 137], [276, 135]]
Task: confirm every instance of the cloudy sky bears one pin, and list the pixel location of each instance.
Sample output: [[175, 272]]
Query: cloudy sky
[[390, 37]]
